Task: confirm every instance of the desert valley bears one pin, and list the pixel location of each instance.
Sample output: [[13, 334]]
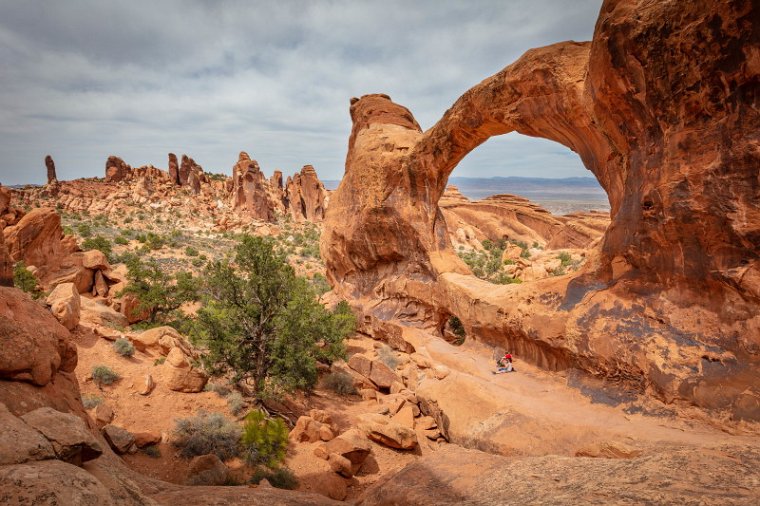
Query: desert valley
[[174, 335]]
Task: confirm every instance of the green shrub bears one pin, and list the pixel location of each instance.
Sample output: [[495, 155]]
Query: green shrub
[[91, 401], [218, 389], [159, 361], [124, 347], [84, 229], [103, 375], [279, 478], [207, 433], [388, 357], [67, 230], [152, 451], [340, 382], [455, 324], [128, 219], [236, 403], [99, 243], [525, 253], [565, 258], [121, 240], [264, 440], [25, 280], [191, 252]]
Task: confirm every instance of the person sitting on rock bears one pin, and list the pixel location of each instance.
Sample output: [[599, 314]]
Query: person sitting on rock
[[505, 363]]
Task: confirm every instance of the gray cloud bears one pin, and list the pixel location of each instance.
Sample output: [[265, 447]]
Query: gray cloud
[[85, 79]]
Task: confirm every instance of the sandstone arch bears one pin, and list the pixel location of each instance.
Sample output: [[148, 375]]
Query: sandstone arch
[[675, 145]]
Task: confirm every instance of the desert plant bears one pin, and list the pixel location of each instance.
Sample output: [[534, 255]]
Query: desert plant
[[340, 382], [280, 478], [104, 375], [91, 401], [236, 403], [191, 252], [25, 280], [159, 361], [207, 433], [218, 388], [565, 258], [124, 347], [121, 240], [264, 440], [261, 322], [84, 229], [158, 292], [152, 451], [457, 328]]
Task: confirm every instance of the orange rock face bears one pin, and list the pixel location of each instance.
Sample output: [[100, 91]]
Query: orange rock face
[[50, 165], [674, 145], [305, 195], [251, 190]]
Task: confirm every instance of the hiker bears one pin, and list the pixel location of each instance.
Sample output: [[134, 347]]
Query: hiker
[[505, 363]]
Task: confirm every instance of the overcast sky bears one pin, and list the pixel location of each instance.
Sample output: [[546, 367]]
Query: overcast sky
[[82, 80]]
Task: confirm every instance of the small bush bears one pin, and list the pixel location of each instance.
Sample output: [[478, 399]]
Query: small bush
[[264, 440], [455, 324], [565, 258], [159, 361], [207, 433], [340, 382], [124, 347], [25, 280], [121, 240], [91, 401], [218, 389], [84, 230], [128, 219], [152, 451], [386, 355], [236, 403], [279, 478], [191, 252], [103, 375]]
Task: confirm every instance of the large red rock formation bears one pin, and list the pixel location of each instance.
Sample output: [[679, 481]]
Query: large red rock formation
[[252, 192], [305, 195], [117, 170], [50, 165], [173, 169], [671, 303]]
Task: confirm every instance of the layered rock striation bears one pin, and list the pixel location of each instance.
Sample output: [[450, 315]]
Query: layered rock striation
[[670, 302]]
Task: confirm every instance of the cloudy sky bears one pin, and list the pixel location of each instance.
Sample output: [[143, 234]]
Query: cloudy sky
[[82, 80]]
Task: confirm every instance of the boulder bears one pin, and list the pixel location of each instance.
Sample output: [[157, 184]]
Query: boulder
[[183, 377], [306, 430], [34, 345], [52, 482], [104, 414], [68, 434], [148, 385], [120, 440], [143, 439], [382, 430], [65, 304], [382, 375], [95, 313], [99, 287], [159, 340], [19, 442], [361, 364], [207, 470], [347, 452], [95, 260], [130, 308]]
